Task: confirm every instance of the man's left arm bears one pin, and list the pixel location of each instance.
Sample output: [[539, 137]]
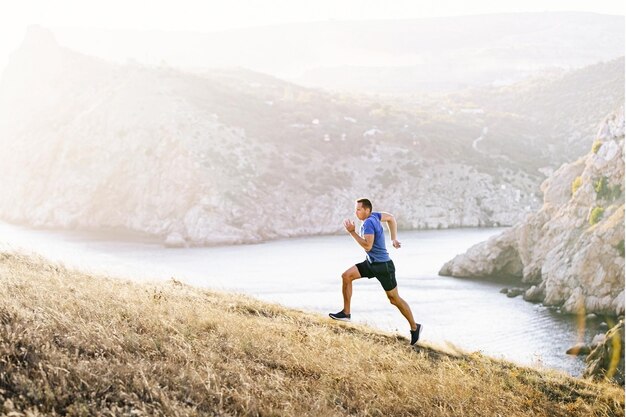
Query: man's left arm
[[393, 227]]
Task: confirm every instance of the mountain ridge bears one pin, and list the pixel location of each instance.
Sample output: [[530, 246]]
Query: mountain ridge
[[90, 144], [443, 54]]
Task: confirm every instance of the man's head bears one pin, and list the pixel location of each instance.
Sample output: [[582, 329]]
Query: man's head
[[363, 208]]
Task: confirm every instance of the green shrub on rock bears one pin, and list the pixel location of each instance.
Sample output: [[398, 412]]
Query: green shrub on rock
[[596, 215], [605, 191], [601, 185], [596, 146], [576, 184]]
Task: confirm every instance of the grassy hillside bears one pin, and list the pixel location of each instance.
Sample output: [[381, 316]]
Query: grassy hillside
[[75, 344]]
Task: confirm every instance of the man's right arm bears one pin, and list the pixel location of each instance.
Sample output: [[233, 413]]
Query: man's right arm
[[393, 227], [366, 242]]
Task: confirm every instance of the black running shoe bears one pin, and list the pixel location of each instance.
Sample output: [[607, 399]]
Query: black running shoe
[[340, 316], [415, 334]]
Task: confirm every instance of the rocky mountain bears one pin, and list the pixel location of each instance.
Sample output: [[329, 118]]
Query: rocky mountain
[[227, 156], [570, 252]]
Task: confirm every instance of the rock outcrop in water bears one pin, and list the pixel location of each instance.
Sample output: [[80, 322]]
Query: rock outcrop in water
[[572, 250]]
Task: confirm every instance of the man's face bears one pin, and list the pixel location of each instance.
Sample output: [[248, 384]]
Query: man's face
[[361, 212]]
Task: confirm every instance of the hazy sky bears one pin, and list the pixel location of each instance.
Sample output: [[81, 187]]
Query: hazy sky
[[209, 15]]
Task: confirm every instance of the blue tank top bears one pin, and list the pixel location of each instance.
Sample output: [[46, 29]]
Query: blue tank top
[[373, 226]]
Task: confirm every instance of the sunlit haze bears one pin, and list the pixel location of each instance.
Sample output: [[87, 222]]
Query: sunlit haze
[[202, 16]]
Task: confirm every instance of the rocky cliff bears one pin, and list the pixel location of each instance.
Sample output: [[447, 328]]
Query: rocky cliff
[[571, 252]]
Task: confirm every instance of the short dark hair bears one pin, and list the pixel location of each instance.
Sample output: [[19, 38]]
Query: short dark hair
[[365, 203]]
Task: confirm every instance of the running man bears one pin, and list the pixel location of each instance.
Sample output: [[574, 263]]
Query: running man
[[377, 263]]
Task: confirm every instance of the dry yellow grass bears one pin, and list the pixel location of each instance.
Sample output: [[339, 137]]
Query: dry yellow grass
[[74, 344]]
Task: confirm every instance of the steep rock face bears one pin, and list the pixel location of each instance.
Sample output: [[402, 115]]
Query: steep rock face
[[572, 250]]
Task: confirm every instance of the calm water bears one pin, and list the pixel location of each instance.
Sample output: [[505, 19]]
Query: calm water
[[305, 274]]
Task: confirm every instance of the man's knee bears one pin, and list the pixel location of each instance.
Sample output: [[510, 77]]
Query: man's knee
[[393, 299], [348, 276]]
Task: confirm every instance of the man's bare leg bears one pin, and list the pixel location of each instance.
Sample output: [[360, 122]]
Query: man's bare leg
[[347, 277], [403, 306]]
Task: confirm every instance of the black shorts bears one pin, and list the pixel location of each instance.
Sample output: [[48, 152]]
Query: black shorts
[[385, 272]]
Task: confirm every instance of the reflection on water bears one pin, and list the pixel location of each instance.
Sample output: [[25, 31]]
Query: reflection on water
[[304, 273]]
